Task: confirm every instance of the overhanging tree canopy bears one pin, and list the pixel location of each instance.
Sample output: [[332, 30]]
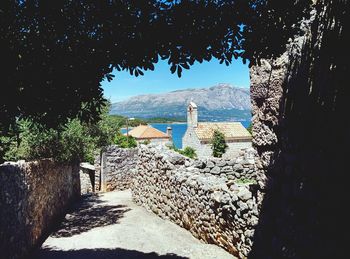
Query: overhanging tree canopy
[[54, 54]]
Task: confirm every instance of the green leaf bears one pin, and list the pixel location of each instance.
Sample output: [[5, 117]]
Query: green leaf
[[179, 70]]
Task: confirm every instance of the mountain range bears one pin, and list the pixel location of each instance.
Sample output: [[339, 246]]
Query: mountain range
[[222, 102]]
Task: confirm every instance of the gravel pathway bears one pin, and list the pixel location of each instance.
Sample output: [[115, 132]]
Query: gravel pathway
[[111, 226]]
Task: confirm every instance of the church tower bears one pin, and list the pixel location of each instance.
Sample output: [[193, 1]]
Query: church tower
[[192, 115]]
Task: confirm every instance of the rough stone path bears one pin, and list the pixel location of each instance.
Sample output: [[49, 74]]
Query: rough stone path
[[111, 226]]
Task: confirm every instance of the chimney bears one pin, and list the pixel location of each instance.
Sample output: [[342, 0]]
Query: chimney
[[192, 115], [169, 132]]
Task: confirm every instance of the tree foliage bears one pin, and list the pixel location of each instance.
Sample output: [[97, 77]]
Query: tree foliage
[[125, 141], [218, 144], [54, 54], [74, 141]]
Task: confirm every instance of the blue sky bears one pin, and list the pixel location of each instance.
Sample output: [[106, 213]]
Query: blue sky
[[161, 80]]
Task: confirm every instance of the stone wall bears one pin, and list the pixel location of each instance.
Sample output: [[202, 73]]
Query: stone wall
[[190, 140], [89, 181], [159, 141], [215, 199], [33, 196], [300, 123], [205, 151], [117, 167], [232, 150]]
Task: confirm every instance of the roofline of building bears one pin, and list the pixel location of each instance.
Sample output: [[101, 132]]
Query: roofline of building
[[152, 138], [231, 138], [146, 127], [219, 122]]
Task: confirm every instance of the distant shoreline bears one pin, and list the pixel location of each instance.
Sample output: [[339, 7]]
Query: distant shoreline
[[171, 122], [150, 123]]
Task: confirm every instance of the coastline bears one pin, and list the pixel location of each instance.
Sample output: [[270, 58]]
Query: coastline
[[172, 122], [179, 122]]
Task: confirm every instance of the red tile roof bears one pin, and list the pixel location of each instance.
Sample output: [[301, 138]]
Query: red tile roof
[[147, 132]]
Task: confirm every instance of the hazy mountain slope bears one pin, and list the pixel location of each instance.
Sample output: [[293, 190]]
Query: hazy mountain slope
[[221, 102]]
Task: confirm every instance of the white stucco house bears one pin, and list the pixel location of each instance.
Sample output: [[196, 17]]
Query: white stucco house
[[199, 134]]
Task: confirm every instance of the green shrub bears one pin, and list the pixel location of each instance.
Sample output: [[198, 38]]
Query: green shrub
[[218, 144], [71, 143], [31, 142], [74, 141], [146, 142], [8, 148], [250, 128], [172, 146], [187, 151], [77, 143], [125, 141]]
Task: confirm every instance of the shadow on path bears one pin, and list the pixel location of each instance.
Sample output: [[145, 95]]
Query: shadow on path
[[87, 214], [103, 254]]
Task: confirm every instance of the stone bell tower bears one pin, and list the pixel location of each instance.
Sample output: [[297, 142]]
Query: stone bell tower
[[192, 115]]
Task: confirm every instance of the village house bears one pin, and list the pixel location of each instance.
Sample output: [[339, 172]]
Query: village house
[[199, 134], [148, 133]]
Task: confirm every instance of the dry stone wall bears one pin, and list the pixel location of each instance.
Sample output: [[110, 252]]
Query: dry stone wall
[[89, 181], [33, 196], [215, 199], [300, 121], [117, 167]]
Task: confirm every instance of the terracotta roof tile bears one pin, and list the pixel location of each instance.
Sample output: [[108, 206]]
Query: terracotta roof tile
[[231, 130], [147, 132]]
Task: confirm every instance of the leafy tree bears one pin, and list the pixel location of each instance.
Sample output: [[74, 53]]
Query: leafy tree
[[136, 122], [106, 128], [125, 141], [122, 121], [75, 141], [5, 145], [54, 54], [12, 139], [218, 144]]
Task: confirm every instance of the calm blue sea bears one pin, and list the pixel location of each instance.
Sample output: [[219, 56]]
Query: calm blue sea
[[179, 130]]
